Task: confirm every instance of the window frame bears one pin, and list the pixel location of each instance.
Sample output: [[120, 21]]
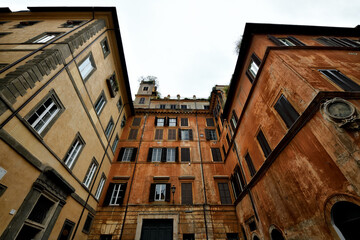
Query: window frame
[[127, 154], [250, 164], [216, 154], [89, 220], [184, 122], [112, 85], [286, 111], [49, 122], [71, 23], [66, 223], [160, 121], [115, 194], [100, 187], [210, 134], [105, 43], [39, 39], [188, 199], [109, 128], [89, 57], [101, 98], [264, 145], [89, 176], [172, 123], [115, 143], [81, 141], [185, 152], [224, 199], [142, 100], [159, 134], [160, 187], [173, 130], [119, 104], [288, 41], [340, 80], [256, 62], [132, 135]]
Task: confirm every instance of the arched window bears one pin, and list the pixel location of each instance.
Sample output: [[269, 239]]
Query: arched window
[[345, 217], [256, 237], [276, 235]]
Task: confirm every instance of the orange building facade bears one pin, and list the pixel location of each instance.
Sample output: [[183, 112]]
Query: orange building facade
[[274, 155]]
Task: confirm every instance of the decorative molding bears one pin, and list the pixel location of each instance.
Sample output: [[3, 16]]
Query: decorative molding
[[189, 177]]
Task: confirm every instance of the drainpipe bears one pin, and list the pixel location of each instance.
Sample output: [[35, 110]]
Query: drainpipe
[[202, 174]]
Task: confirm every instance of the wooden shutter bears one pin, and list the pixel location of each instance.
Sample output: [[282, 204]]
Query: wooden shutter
[[166, 121], [176, 154], [207, 134], [250, 164], [163, 155], [263, 144], [296, 41], [186, 193], [210, 122], [179, 134], [133, 155], [275, 40], [224, 193], [185, 155], [152, 192], [216, 154], [149, 155], [167, 196], [286, 111], [190, 134], [119, 159], [256, 59], [172, 134], [176, 121], [108, 194], [156, 121], [122, 192]]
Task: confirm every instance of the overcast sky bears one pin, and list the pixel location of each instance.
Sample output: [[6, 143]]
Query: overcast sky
[[189, 45]]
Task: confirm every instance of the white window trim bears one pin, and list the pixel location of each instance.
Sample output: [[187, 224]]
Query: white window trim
[[160, 122], [172, 122], [109, 128], [253, 68], [100, 103], [90, 174], [115, 143], [73, 153], [86, 67], [100, 187], [160, 189], [156, 155], [115, 195], [127, 155], [170, 154]]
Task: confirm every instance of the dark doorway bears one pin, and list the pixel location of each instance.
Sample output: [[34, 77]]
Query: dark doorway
[[276, 235], [346, 217], [157, 229]]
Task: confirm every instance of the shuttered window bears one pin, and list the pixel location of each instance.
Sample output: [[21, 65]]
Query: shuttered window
[[127, 155], [286, 111], [210, 134], [234, 120], [216, 154], [115, 194], [250, 164], [133, 134], [185, 134], [136, 122], [159, 192], [210, 122], [172, 134], [186, 193], [224, 192], [263, 143], [185, 154], [159, 122], [163, 155], [184, 122], [341, 80], [158, 134]]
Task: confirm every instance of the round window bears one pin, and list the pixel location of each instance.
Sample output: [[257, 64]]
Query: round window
[[339, 109]]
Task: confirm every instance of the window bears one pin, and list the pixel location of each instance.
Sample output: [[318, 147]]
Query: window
[[286, 41], [345, 218], [142, 101], [159, 192], [341, 80], [100, 186], [232, 236], [145, 88], [253, 67], [43, 116], [277, 235], [88, 222], [184, 122], [159, 122], [252, 224], [123, 122], [172, 134], [115, 194], [3, 34], [105, 237], [156, 154], [38, 219], [263, 143], [158, 134], [286, 111], [173, 106], [119, 104], [25, 24], [237, 181], [228, 139], [109, 128], [210, 134], [87, 67], [250, 164], [71, 23], [336, 42], [183, 106], [127, 155], [44, 37], [234, 120], [171, 154], [66, 230], [112, 85], [188, 236], [185, 134], [105, 47], [115, 143], [162, 106], [207, 107], [186, 193], [90, 173], [210, 122], [216, 154], [185, 154], [133, 134], [136, 122], [172, 122], [224, 192], [218, 130], [100, 103], [74, 151]]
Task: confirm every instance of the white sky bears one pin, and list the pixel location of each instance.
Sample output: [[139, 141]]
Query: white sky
[[189, 45]]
